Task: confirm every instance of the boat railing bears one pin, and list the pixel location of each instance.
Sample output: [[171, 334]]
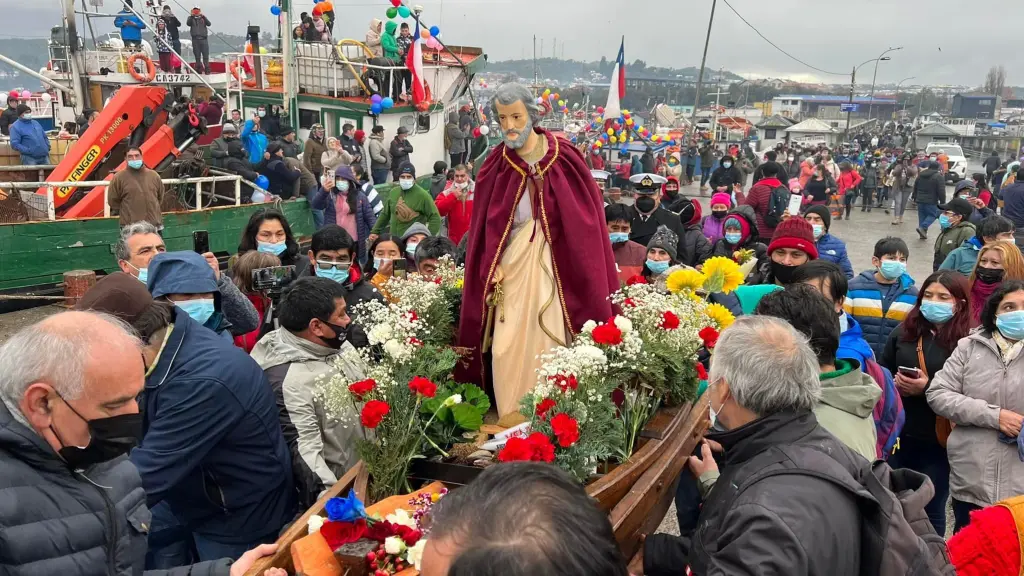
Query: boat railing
[[43, 208]]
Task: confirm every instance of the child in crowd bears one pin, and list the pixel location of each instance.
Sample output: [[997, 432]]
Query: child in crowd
[[241, 275], [880, 298]]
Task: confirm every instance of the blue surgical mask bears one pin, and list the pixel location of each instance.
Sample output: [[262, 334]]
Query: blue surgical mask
[[199, 310], [726, 164], [733, 237], [275, 248], [618, 237], [342, 185], [943, 221], [339, 275], [892, 269], [143, 273], [1011, 324], [406, 184], [657, 267], [818, 230], [135, 164], [261, 113], [378, 262], [410, 249], [937, 312]]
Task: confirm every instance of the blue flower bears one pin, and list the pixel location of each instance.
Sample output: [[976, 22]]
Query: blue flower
[[347, 509]]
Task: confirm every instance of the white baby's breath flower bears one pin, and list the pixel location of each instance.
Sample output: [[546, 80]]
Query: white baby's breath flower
[[589, 326]]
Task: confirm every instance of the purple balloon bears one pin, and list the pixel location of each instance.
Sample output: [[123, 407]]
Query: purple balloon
[[376, 98]]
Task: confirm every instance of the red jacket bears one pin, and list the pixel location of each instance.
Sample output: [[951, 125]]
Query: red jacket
[[848, 181], [759, 198], [458, 213], [248, 340]]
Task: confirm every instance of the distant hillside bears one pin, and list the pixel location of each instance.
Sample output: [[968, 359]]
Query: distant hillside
[[567, 70]]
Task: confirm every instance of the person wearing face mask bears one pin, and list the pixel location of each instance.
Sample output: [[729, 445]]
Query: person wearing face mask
[[379, 267], [311, 343], [726, 175], [241, 276], [406, 205], [186, 280], [792, 166], [313, 150], [713, 225], [661, 257], [456, 203], [649, 213], [61, 437], [956, 229], [629, 256], [268, 231], [332, 256], [792, 245], [881, 297], [670, 190], [411, 240], [219, 151], [135, 193], [929, 192], [872, 180], [29, 139], [923, 342], [980, 389], [694, 247], [997, 262], [344, 203], [990, 230], [830, 247], [740, 233], [253, 136]]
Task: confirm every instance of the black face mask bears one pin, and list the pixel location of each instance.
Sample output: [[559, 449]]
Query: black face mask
[[671, 193], [783, 274], [645, 204], [110, 437], [989, 275], [719, 214], [340, 335]]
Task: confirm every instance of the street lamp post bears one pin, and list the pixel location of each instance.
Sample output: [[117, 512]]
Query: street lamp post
[[853, 81], [871, 102], [896, 106], [700, 75]]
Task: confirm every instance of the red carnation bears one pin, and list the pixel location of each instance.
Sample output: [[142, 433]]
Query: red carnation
[[415, 341], [411, 537], [566, 429], [541, 446], [411, 315], [421, 385], [607, 334], [362, 388], [564, 383], [338, 534], [629, 303], [638, 279], [669, 320], [515, 450], [709, 335], [542, 408], [373, 412], [701, 372]]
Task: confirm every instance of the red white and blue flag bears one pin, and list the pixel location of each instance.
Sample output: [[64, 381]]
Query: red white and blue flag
[[617, 88], [414, 61]]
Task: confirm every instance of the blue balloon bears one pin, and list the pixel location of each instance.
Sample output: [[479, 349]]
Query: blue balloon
[[262, 181], [376, 98], [387, 103], [275, 10], [434, 31], [376, 109], [624, 149]]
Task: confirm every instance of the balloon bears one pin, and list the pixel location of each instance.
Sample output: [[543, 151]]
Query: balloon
[[485, 130], [434, 30], [655, 138], [263, 50], [561, 103], [403, 11], [387, 103], [275, 10], [600, 109], [551, 97], [396, 3], [624, 149], [597, 144], [629, 121], [540, 100], [391, 13], [262, 181], [46, 97], [610, 131], [612, 139], [376, 109], [376, 98], [425, 34], [476, 132], [26, 93], [546, 93], [433, 44]]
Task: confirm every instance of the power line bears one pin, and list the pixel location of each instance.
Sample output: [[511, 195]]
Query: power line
[[776, 46]]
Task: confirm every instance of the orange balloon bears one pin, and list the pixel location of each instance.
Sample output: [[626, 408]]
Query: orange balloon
[[248, 48], [425, 34]]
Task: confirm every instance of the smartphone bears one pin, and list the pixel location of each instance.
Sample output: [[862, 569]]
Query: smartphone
[[400, 268], [794, 204], [201, 241], [910, 372]]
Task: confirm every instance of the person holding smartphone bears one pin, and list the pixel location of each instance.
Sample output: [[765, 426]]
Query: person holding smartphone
[[915, 351]]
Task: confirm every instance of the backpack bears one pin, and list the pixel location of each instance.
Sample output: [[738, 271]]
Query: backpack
[[778, 202], [889, 415], [897, 539], [447, 138]]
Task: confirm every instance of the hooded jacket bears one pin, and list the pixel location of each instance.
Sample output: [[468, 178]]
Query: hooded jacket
[[726, 177], [327, 200], [879, 307], [322, 445], [416, 199], [852, 345], [749, 239], [380, 156], [388, 43], [212, 445], [56, 521], [188, 273], [373, 37], [29, 139], [255, 142], [930, 187], [455, 137], [848, 398], [963, 258], [950, 239]]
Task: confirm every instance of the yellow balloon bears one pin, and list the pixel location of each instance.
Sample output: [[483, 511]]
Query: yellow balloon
[[611, 131], [547, 93], [612, 140], [629, 122], [654, 138], [561, 103], [263, 50], [598, 143], [631, 138], [622, 136]]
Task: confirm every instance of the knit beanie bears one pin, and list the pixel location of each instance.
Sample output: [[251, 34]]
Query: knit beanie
[[721, 198], [407, 168], [734, 221], [665, 239], [988, 545], [416, 228], [823, 212], [118, 294], [794, 233]]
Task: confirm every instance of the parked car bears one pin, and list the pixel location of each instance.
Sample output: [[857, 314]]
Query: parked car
[[956, 169]]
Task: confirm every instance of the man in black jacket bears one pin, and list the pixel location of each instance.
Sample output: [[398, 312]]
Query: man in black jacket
[[991, 164], [929, 192], [782, 173], [649, 213], [726, 175], [282, 178], [400, 150], [10, 114], [764, 386]]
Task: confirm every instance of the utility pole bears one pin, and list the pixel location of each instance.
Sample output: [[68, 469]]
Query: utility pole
[[853, 79], [703, 60], [554, 48], [535, 64], [718, 95]]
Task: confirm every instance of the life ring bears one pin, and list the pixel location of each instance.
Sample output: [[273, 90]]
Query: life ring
[[247, 82], [150, 68]]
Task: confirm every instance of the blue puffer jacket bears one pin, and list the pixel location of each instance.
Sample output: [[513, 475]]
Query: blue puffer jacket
[[852, 345], [255, 142], [878, 307], [29, 139], [212, 446], [833, 250], [326, 200]]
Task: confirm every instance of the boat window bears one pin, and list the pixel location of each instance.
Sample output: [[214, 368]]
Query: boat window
[[308, 117], [423, 122], [409, 122]]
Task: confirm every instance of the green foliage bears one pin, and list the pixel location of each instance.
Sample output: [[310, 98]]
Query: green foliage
[[451, 423]]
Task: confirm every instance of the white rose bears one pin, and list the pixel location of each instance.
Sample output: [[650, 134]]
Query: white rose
[[380, 333], [415, 554], [624, 324], [393, 348], [453, 400], [589, 326], [314, 523], [401, 517], [394, 545]]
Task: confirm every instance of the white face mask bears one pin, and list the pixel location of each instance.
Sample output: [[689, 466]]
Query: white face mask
[[462, 185], [712, 413], [406, 184], [27, 116]]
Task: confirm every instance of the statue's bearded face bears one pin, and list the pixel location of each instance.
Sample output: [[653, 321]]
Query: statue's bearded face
[[516, 125]]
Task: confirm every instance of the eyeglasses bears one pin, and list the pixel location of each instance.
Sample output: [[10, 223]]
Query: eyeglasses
[[328, 264]]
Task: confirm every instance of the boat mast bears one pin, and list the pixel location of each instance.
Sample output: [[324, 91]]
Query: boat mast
[[289, 80], [79, 94], [535, 79]]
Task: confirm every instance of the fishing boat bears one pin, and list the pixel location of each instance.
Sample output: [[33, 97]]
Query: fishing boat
[[54, 218]]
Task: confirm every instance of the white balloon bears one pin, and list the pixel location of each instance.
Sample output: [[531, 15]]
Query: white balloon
[[46, 98], [3, 96], [484, 130]]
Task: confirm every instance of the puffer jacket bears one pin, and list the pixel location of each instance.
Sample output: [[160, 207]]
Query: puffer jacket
[[971, 388], [322, 445], [950, 239], [55, 521], [878, 307], [963, 258], [930, 187], [833, 249]]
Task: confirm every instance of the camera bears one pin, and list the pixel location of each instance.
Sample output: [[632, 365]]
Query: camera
[[272, 280]]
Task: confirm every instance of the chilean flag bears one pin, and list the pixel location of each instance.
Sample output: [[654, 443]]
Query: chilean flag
[[617, 88], [414, 61]]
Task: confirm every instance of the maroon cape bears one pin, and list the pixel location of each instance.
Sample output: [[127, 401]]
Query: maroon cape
[[571, 217]]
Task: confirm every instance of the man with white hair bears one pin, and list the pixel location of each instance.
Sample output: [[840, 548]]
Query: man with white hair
[[763, 515], [71, 502], [527, 280]]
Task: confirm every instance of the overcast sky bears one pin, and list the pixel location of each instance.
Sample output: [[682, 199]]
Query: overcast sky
[[832, 36]]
